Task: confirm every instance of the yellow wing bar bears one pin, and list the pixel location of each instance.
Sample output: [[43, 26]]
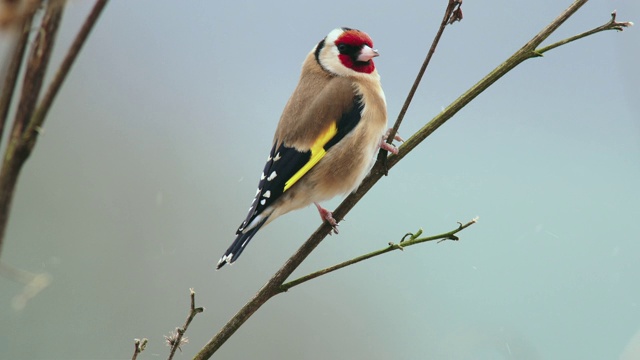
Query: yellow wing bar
[[317, 153]]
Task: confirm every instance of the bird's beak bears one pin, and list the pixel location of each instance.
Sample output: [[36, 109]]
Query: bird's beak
[[367, 54]]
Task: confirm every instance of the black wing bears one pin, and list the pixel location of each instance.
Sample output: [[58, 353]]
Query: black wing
[[286, 162]]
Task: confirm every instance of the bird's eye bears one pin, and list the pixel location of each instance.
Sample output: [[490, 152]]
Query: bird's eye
[[342, 48]]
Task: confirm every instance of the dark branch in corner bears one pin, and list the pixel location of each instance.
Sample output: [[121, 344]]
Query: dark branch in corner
[[35, 124], [29, 117], [16, 152], [13, 70]]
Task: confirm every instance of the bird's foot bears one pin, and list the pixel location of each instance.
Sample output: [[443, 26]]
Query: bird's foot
[[396, 137], [327, 216], [389, 147]]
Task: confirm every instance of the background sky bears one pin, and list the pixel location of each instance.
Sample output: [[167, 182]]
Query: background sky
[[153, 149]]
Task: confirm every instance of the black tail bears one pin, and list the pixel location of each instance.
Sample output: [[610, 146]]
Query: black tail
[[238, 245]]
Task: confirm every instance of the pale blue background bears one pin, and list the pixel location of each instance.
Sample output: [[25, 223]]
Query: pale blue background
[[152, 152]]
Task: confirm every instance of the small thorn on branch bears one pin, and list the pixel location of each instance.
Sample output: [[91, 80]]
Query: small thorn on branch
[[396, 246], [411, 236]]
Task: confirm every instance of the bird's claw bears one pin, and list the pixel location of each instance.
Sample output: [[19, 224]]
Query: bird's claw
[[327, 216], [396, 137], [389, 147]]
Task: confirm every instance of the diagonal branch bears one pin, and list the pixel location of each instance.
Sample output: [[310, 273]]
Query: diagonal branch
[[451, 14], [12, 71], [16, 153], [36, 67], [38, 118], [29, 119]]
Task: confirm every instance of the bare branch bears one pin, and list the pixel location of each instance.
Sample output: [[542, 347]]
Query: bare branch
[[37, 67], [28, 120], [35, 123], [176, 338], [452, 14], [610, 25], [16, 153], [140, 345]]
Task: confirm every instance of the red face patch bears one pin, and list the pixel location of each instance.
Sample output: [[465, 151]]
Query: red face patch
[[356, 39]]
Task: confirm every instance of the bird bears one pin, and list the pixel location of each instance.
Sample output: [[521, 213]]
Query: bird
[[328, 135]]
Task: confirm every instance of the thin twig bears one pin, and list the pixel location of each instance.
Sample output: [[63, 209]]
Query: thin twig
[[140, 345], [611, 25], [413, 240], [35, 124], [177, 338], [29, 119], [450, 16]]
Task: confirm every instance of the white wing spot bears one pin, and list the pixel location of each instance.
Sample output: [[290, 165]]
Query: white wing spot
[[258, 191], [262, 176], [263, 201], [278, 157], [267, 194], [272, 176]]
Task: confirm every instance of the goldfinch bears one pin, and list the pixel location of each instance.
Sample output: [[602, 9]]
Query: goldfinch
[[327, 137]]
